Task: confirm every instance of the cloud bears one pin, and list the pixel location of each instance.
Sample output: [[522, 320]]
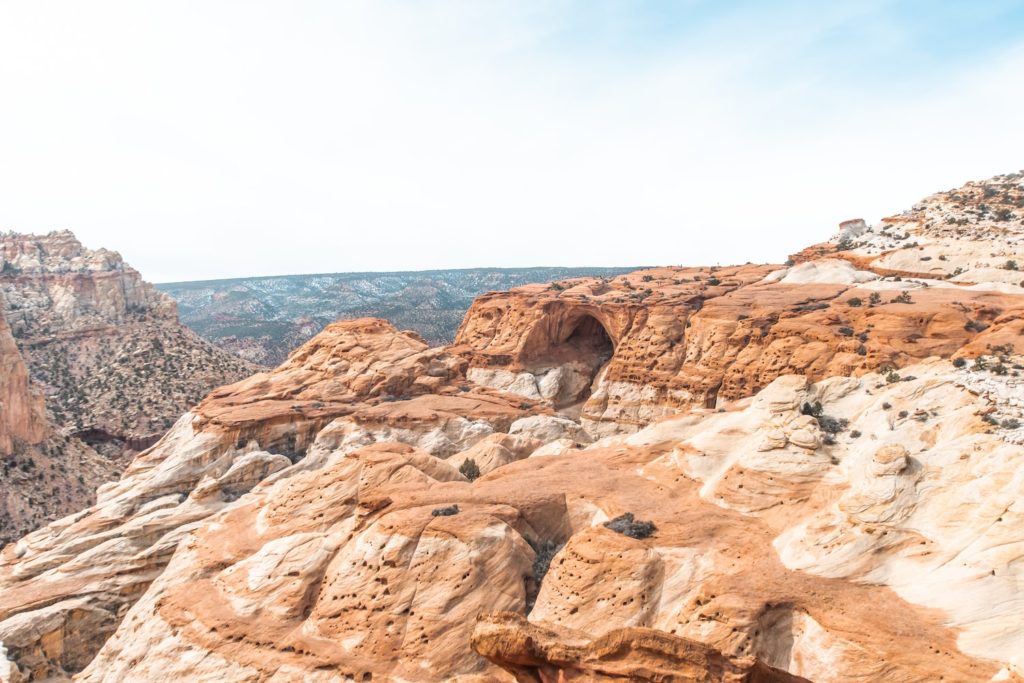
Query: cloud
[[227, 139]]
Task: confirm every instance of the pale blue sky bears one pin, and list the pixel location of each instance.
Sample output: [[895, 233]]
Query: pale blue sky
[[214, 139]]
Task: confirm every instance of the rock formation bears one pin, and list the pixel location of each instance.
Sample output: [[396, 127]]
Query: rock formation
[[756, 473], [106, 348], [941, 280], [22, 418], [263, 319], [43, 475]]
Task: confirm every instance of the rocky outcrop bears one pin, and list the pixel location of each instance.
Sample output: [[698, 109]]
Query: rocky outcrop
[[375, 561], [534, 655], [685, 337], [105, 347], [751, 473], [22, 420], [64, 588]]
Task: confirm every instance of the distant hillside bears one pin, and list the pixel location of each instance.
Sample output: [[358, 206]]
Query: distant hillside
[[262, 319]]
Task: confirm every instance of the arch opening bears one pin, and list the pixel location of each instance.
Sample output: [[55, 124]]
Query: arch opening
[[569, 364]]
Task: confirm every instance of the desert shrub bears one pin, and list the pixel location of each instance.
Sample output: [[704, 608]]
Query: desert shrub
[[832, 425], [627, 525], [812, 409], [875, 298], [959, 362], [975, 326], [827, 423], [892, 377], [1011, 423], [445, 511], [902, 298], [714, 281], [469, 469], [846, 331], [903, 414], [546, 551], [855, 302], [1010, 265]]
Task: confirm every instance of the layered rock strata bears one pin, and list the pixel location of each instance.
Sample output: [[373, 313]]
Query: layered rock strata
[[105, 347]]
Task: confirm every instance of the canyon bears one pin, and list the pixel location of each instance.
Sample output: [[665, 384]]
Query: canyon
[[262, 319], [808, 471], [106, 348], [96, 368]]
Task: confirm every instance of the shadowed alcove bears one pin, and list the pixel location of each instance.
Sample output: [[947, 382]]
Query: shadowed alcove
[[576, 346]]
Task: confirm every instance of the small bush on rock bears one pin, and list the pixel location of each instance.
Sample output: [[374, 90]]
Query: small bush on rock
[[626, 525], [445, 511], [902, 298], [469, 469]]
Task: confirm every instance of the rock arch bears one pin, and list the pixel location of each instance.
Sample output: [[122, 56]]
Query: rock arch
[[568, 350]]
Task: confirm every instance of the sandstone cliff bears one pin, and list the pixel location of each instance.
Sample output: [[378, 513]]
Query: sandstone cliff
[[22, 419], [755, 473], [941, 280], [106, 348], [43, 475]]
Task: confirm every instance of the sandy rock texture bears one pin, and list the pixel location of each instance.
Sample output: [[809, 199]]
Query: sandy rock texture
[[376, 562], [65, 588]]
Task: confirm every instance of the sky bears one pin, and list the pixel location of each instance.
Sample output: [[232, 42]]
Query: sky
[[212, 138]]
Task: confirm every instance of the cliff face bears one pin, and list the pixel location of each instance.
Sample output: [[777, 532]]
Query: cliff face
[[43, 475], [105, 347], [22, 420], [683, 337], [759, 473]]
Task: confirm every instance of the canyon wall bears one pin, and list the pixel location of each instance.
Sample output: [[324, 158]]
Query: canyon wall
[[104, 346], [22, 417]]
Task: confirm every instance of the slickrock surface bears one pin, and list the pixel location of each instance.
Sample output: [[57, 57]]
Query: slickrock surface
[[106, 348], [822, 464]]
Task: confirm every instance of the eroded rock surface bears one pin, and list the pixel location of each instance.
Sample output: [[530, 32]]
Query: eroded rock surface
[[828, 458]]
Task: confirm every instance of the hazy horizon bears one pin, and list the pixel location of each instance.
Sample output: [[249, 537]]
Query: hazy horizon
[[220, 140]]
